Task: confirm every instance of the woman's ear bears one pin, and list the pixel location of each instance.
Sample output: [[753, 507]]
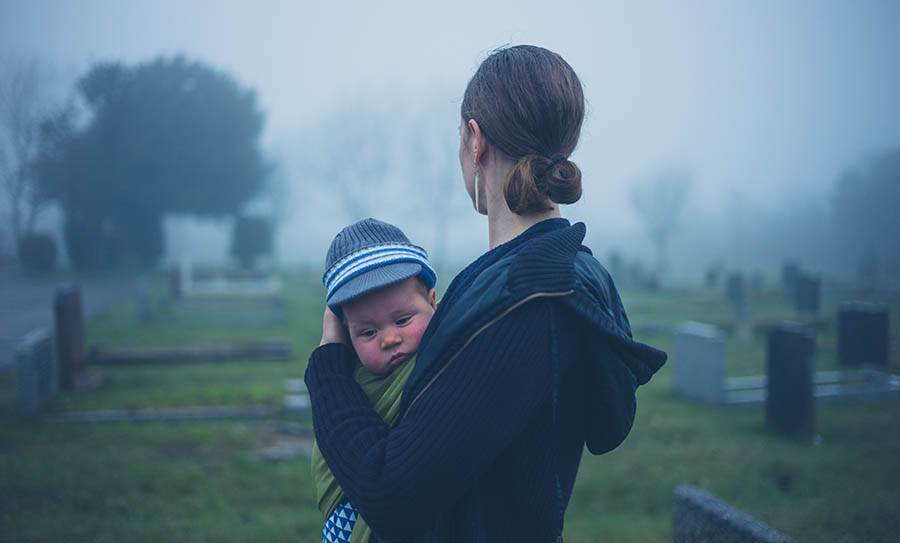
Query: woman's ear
[[477, 142]]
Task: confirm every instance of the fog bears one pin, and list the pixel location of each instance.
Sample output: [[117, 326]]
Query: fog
[[766, 104]]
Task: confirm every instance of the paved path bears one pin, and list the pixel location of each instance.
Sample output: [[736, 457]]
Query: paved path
[[27, 303]]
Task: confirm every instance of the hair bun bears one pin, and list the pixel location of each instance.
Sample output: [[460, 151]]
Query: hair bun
[[536, 178], [563, 181]]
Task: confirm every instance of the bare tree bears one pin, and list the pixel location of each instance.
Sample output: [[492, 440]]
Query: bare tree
[[659, 201], [350, 152], [24, 105], [433, 148]]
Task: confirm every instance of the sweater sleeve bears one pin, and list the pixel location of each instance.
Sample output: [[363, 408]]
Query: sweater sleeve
[[400, 478]]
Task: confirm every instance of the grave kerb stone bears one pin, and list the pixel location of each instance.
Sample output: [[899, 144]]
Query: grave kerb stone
[[700, 517]]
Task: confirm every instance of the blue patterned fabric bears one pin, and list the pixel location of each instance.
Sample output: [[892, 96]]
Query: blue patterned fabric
[[339, 524]]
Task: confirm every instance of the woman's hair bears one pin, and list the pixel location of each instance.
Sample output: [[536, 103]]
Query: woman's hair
[[529, 104]]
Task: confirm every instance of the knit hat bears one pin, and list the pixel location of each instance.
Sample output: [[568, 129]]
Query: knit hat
[[368, 255]]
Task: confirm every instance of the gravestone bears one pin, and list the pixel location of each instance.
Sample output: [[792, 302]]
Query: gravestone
[[790, 404], [735, 290], [142, 302], [807, 293], [864, 335], [700, 362], [712, 275], [867, 270], [757, 283], [69, 332], [617, 267], [789, 273], [176, 292], [37, 382], [700, 517]]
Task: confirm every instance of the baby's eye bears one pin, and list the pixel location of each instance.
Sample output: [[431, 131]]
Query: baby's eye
[[367, 333], [403, 320]]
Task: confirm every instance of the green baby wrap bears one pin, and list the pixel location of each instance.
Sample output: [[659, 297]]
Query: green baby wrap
[[384, 392]]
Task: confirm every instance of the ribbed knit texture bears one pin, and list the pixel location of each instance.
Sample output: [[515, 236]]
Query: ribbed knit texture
[[362, 234], [478, 458], [368, 255]]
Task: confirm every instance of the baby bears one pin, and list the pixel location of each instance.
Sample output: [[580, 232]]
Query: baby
[[382, 288]]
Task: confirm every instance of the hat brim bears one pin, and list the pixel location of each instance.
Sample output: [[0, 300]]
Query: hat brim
[[373, 279]]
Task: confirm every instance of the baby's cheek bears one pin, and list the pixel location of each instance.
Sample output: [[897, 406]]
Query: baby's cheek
[[366, 352], [418, 329]]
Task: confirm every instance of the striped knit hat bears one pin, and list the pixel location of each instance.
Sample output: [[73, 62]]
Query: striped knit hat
[[368, 255]]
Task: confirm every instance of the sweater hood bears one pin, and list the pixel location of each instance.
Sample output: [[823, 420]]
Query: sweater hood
[[554, 265], [614, 363]]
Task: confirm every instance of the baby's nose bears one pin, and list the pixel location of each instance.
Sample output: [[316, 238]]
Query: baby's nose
[[390, 339]]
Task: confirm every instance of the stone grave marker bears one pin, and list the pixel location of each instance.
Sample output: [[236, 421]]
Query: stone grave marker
[[700, 362], [736, 292], [37, 381], [790, 404], [789, 273], [807, 293], [176, 292], [617, 267], [69, 333], [712, 275], [757, 283], [700, 517], [142, 302], [864, 335]]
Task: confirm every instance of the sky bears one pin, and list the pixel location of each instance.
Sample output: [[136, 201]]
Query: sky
[[762, 101]]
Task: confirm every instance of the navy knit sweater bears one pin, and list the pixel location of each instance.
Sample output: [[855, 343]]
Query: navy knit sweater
[[491, 452]]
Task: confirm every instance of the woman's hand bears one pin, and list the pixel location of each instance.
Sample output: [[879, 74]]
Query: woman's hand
[[333, 330]]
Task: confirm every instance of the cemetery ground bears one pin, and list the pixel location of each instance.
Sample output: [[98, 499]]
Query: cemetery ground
[[204, 481]]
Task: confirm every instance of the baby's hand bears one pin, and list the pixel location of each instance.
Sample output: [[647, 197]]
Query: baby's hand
[[333, 330]]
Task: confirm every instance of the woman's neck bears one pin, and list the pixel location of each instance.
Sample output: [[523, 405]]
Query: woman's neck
[[504, 225]]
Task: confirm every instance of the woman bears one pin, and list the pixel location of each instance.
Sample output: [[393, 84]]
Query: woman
[[528, 358]]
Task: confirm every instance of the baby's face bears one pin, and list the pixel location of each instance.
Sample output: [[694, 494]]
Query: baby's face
[[386, 326]]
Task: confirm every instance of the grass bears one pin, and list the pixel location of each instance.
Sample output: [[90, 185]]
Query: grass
[[202, 483]]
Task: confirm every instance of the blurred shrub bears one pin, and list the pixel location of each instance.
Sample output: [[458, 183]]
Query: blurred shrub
[[251, 239]]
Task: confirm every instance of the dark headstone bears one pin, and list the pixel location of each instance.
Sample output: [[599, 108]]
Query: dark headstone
[[700, 517], [867, 268], [892, 268], [790, 406], [864, 335], [789, 273], [69, 320], [175, 290], [617, 266], [735, 290], [757, 283], [807, 293], [142, 303], [711, 277]]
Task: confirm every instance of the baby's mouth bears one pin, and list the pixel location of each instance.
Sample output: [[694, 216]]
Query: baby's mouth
[[399, 356]]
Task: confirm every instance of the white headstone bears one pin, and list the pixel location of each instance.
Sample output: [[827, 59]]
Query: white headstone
[[700, 362], [37, 380]]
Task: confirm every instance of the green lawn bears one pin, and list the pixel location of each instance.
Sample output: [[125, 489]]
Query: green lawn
[[201, 482]]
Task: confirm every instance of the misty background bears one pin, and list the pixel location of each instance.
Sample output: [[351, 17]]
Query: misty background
[[764, 119]]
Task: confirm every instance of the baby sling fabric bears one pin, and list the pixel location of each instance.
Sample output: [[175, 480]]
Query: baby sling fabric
[[384, 393]]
